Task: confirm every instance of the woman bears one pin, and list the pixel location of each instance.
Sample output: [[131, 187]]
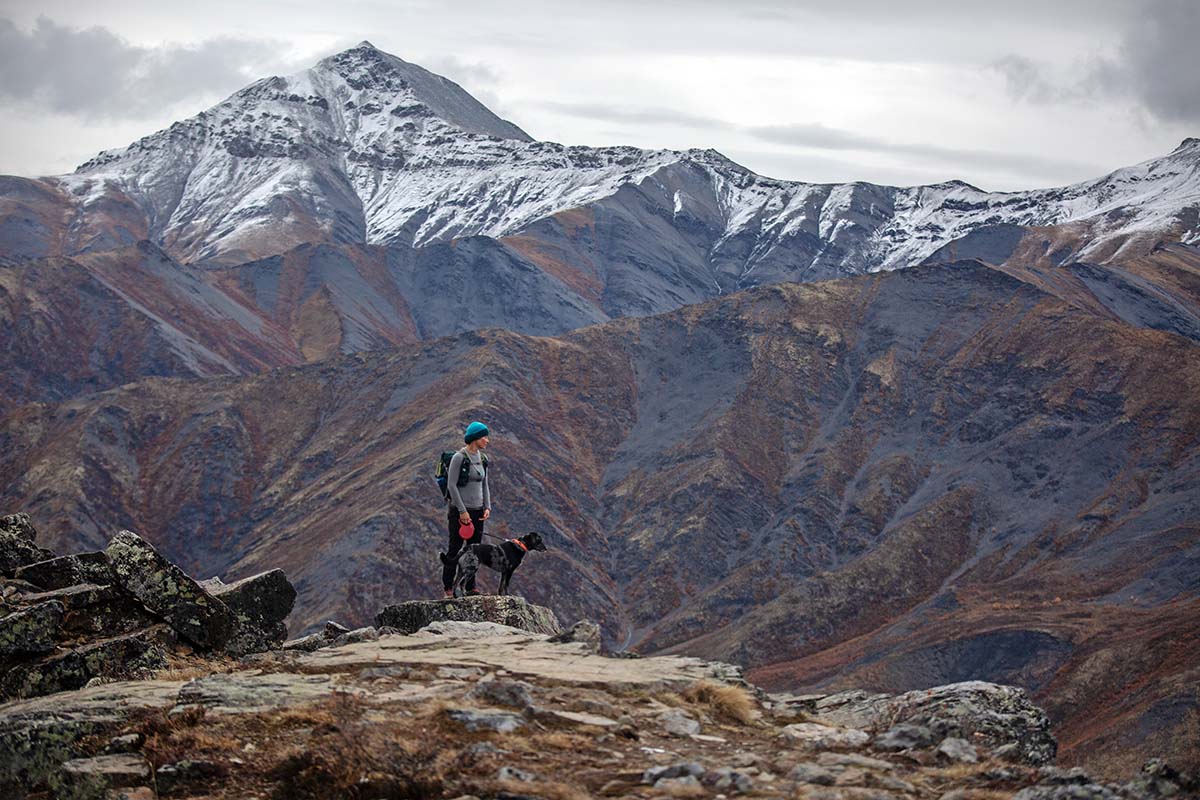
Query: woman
[[470, 503]]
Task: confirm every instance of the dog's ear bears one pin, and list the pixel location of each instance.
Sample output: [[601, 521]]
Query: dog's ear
[[534, 541]]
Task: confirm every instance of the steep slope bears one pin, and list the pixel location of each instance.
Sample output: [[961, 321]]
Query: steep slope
[[881, 473]]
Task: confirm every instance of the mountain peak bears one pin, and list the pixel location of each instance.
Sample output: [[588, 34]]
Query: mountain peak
[[366, 68]]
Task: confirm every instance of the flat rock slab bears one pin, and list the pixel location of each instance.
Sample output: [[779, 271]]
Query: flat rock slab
[[167, 591], [88, 778], [522, 655], [515, 612], [64, 571], [245, 693]]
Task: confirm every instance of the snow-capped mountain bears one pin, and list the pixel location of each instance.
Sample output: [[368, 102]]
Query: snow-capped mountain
[[367, 148]]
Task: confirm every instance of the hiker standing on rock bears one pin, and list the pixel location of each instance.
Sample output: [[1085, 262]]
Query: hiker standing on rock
[[470, 501]]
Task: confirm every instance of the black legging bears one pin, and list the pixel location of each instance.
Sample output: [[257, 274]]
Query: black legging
[[450, 562]]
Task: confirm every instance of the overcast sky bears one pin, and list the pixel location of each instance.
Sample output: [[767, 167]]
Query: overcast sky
[[1003, 95]]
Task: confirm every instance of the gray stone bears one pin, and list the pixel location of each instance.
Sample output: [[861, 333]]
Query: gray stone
[[904, 737], [678, 723], [307, 644], [127, 743], [727, 779], [32, 629], [98, 610], [584, 632], [853, 760], [332, 630], [355, 636], [1074, 791], [164, 589], [514, 774], [509, 610], [502, 692], [170, 777], [499, 721], [988, 713], [812, 773], [93, 778], [815, 736], [261, 603], [684, 783], [956, 749], [64, 571], [681, 769]]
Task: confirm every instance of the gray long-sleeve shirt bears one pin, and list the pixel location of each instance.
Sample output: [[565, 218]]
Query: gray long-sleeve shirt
[[476, 494]]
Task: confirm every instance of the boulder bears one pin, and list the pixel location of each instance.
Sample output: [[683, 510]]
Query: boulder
[[499, 721], [94, 778], [1000, 718], [261, 603], [16, 544], [18, 525], [64, 571], [167, 591], [678, 723], [584, 632], [904, 737], [132, 656], [31, 630], [811, 735], [516, 612]]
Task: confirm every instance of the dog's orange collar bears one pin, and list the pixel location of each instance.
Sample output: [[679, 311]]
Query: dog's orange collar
[[520, 544]]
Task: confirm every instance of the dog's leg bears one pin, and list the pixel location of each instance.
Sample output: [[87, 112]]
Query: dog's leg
[[505, 577]]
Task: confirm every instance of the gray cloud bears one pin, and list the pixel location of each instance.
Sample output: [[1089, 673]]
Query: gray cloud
[[650, 116], [1155, 66], [96, 74], [815, 136]]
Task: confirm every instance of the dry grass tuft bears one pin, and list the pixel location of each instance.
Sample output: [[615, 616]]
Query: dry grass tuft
[[729, 703], [186, 668]]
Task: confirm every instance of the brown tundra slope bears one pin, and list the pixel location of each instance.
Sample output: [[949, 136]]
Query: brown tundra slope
[[890, 481]]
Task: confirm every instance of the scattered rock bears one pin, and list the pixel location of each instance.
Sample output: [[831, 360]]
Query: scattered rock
[[682, 769], [170, 777], [904, 737], [31, 630], [128, 743], [307, 644], [814, 736], [164, 589], [584, 632], [501, 692], [509, 610], [499, 721], [93, 778], [812, 773], [727, 779], [367, 634], [678, 723], [684, 783], [853, 760], [514, 774], [956, 749]]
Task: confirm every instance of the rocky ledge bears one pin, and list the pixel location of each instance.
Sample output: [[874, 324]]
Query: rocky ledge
[[484, 710], [121, 613]]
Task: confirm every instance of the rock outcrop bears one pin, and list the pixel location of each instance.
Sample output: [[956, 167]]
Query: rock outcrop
[[502, 609], [517, 714], [67, 621]]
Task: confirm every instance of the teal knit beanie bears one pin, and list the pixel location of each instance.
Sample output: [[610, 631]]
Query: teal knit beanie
[[476, 430]]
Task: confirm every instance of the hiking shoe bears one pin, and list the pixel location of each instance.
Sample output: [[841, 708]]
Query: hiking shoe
[[448, 593]]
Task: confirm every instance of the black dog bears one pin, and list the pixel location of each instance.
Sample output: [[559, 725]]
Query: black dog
[[504, 558]]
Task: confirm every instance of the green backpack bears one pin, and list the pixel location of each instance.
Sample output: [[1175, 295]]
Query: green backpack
[[440, 472]]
